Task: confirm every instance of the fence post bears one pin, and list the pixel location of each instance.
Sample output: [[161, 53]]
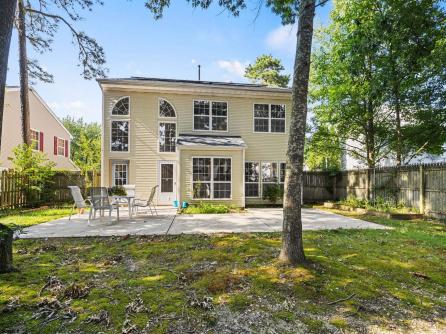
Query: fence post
[[422, 200]]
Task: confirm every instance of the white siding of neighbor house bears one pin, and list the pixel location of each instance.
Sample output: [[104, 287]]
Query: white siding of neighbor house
[[41, 119], [144, 156]]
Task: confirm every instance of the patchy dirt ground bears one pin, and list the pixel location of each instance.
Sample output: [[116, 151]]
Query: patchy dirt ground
[[380, 281]]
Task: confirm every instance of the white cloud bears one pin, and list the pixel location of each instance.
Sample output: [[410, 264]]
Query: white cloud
[[282, 38], [74, 108], [233, 67]]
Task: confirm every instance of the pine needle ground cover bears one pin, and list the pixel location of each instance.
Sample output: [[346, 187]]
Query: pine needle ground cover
[[355, 281]]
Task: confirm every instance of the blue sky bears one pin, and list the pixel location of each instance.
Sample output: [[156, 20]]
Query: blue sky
[[137, 45]]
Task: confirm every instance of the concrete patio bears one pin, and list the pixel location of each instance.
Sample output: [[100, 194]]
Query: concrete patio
[[168, 222]]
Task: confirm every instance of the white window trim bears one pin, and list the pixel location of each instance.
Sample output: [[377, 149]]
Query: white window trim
[[258, 182], [38, 139], [212, 178], [110, 133], [117, 162], [210, 116], [174, 109], [64, 143], [269, 119], [158, 136], [116, 101]]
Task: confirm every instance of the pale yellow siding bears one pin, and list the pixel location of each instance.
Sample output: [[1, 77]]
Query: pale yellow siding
[[144, 156]]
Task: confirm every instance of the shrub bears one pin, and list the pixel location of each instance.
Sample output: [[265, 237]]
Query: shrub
[[37, 172], [272, 192], [207, 208], [117, 191]]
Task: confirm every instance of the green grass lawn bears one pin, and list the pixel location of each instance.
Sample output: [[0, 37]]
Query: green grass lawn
[[28, 218], [231, 283]]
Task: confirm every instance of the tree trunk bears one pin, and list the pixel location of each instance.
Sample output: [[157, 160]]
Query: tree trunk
[[24, 88], [292, 244], [6, 236], [7, 11]]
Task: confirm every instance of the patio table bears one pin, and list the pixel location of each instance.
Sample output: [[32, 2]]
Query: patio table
[[118, 200]]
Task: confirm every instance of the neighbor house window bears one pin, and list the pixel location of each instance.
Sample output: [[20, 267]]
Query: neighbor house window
[[35, 139], [121, 107], [120, 172], [269, 118], [211, 178], [167, 136], [120, 136], [60, 146], [210, 116], [252, 179]]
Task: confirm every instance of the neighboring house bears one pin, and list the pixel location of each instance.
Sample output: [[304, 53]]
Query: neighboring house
[[197, 140], [48, 134]]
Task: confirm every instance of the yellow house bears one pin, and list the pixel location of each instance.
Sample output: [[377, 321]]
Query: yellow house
[[197, 140]]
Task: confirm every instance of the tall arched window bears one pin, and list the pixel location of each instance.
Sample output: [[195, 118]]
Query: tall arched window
[[167, 129], [121, 107], [166, 109]]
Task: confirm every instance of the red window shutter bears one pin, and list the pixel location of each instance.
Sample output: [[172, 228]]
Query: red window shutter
[[41, 141], [66, 148], [55, 145]]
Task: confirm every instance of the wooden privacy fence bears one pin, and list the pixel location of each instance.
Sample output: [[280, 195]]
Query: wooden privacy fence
[[13, 189], [418, 186]]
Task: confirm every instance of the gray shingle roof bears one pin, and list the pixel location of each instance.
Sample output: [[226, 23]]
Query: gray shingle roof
[[210, 140]]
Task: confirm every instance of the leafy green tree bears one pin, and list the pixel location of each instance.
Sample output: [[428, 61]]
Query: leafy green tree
[[86, 145], [323, 149], [378, 80], [411, 67], [267, 70], [36, 169]]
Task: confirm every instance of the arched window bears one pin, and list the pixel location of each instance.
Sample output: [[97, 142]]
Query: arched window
[[166, 109], [121, 107]]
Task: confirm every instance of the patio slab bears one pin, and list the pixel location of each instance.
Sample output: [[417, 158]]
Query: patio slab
[[168, 222]]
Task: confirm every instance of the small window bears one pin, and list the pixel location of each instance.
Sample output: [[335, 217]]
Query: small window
[[211, 178], [120, 136], [60, 146], [252, 179], [166, 109], [269, 118], [210, 116], [35, 140], [167, 137], [121, 107], [120, 173]]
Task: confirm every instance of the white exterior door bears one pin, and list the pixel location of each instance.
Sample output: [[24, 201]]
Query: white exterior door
[[167, 180]]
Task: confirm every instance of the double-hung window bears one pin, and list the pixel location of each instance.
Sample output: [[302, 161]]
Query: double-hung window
[[269, 118], [252, 179], [211, 178], [270, 175], [210, 116], [119, 136], [60, 146], [35, 139], [120, 172]]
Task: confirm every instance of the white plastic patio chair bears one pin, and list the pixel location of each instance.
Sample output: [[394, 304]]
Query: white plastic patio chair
[[101, 202], [79, 201], [140, 203]]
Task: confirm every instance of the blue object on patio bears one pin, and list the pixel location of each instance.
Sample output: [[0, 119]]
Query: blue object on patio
[[184, 205], [176, 203]]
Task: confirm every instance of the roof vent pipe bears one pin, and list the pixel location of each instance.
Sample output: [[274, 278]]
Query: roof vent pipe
[[199, 72]]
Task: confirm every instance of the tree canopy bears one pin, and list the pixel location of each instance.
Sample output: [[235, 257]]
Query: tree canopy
[[267, 70]]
